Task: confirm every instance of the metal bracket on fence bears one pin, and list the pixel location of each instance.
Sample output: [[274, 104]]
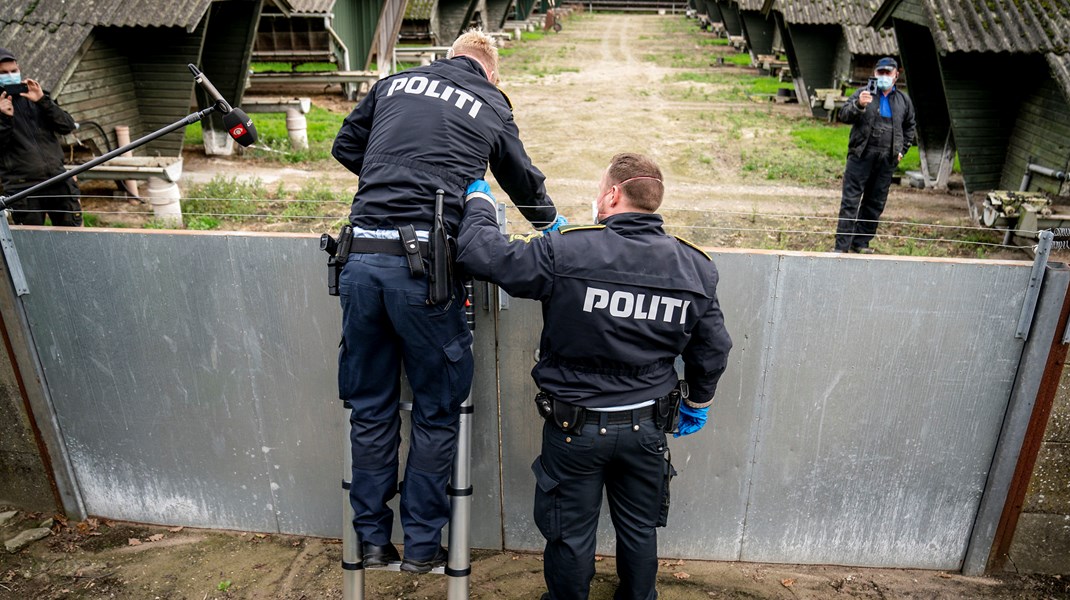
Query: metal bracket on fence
[[1036, 277], [14, 265], [503, 298]]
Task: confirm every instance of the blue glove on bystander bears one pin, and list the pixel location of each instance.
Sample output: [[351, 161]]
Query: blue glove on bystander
[[558, 223], [691, 419]]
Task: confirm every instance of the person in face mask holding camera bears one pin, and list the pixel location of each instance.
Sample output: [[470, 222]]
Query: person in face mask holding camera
[[882, 130], [30, 150]]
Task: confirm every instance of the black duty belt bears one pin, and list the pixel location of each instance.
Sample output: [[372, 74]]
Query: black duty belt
[[381, 246], [618, 417]]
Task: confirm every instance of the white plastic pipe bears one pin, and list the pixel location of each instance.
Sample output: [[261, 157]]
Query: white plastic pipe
[[122, 138], [164, 197], [297, 129]]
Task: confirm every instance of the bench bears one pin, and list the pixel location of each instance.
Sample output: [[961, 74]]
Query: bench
[[830, 99], [424, 55], [162, 173], [122, 168], [351, 81]]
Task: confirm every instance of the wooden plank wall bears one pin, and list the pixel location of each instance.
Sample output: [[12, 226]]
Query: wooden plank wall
[[920, 64], [101, 90], [815, 50], [730, 17], [1041, 134], [983, 109], [158, 58], [797, 76], [355, 22], [227, 51], [759, 31]]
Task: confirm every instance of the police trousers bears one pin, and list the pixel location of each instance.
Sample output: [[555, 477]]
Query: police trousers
[[632, 463], [386, 323], [865, 191]]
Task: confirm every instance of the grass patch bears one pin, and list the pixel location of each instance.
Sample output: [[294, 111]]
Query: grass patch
[[831, 141], [282, 67], [323, 126], [741, 58], [224, 196], [713, 42]]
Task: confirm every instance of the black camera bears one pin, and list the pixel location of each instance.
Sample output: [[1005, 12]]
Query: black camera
[[16, 88], [871, 85]]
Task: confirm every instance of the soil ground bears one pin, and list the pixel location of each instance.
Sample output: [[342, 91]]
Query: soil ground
[[100, 559], [606, 84]]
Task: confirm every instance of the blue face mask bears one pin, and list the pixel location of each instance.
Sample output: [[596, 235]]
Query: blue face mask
[[885, 82], [10, 78]]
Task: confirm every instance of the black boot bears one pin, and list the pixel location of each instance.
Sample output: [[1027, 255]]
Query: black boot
[[422, 566], [379, 556]]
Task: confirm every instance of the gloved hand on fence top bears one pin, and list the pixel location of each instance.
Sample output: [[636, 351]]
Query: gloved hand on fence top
[[558, 223], [691, 419]]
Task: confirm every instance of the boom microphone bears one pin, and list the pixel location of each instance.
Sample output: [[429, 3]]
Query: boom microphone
[[202, 80], [240, 127], [238, 124]]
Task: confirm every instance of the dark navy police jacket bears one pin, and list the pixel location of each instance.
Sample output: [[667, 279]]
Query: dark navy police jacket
[[435, 127], [620, 301]]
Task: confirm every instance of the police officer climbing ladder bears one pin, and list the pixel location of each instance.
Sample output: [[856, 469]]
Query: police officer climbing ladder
[[431, 128]]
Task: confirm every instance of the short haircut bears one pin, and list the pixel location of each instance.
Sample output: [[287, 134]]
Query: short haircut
[[478, 44], [645, 193]]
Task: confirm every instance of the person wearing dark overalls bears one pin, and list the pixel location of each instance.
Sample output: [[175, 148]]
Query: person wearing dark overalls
[[621, 300], [430, 128], [882, 130]]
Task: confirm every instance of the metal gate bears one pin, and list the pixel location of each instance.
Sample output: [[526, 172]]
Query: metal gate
[[192, 381]]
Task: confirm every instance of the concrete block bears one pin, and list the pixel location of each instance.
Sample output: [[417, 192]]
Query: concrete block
[[1041, 545], [1049, 488], [26, 538]]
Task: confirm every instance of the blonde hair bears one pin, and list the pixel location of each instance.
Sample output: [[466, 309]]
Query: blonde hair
[[478, 45]]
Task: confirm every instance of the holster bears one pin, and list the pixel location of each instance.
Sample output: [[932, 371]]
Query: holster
[[411, 245], [566, 417], [440, 280], [337, 259], [667, 415]]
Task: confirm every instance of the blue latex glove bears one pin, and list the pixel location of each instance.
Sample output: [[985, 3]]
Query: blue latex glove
[[558, 223], [480, 189], [479, 185], [691, 419]]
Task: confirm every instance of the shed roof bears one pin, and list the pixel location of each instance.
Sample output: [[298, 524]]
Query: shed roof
[[43, 51], [751, 4], [864, 40], [1020, 26], [107, 13], [420, 10], [824, 12], [305, 7], [45, 35]]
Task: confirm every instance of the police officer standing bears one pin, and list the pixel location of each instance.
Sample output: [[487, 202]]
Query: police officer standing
[[882, 130], [428, 128], [621, 300]]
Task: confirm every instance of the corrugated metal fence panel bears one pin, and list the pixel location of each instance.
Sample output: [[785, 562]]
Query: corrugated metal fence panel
[[195, 379], [887, 389]]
